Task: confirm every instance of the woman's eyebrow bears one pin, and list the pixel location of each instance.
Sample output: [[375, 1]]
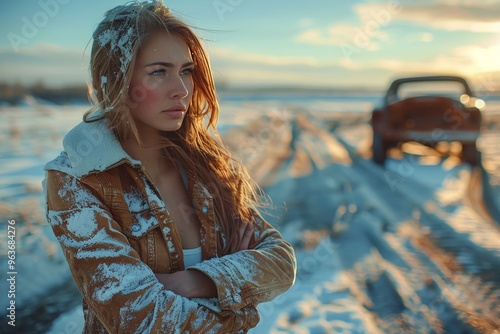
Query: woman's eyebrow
[[165, 64]]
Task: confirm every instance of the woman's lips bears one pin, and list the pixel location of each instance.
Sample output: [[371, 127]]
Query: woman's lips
[[176, 112]]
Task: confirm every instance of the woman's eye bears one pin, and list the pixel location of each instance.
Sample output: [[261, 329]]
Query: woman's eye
[[187, 71], [158, 72]]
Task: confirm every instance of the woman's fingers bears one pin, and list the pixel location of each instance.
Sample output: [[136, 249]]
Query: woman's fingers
[[246, 232]]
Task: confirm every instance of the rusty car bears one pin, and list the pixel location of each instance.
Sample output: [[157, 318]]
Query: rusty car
[[427, 110]]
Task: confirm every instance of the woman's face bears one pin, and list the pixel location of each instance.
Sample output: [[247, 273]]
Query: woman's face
[[162, 85]]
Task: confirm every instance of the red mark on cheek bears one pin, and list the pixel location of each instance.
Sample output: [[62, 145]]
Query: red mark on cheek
[[138, 93], [144, 94]]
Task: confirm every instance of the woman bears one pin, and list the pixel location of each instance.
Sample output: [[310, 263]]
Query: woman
[[158, 224]]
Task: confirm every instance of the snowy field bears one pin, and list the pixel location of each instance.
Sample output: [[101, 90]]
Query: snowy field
[[408, 248]]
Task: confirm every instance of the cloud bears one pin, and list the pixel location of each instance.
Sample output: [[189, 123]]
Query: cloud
[[450, 15], [306, 22], [366, 34], [236, 67], [480, 58], [425, 37], [233, 54], [369, 32], [363, 37], [468, 59], [52, 64], [41, 51]]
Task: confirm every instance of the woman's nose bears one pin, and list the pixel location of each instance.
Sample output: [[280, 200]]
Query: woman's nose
[[180, 89]]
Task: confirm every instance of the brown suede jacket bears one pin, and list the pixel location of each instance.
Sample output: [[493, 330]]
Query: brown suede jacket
[[116, 234]]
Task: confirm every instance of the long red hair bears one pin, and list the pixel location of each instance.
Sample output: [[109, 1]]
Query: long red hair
[[196, 145]]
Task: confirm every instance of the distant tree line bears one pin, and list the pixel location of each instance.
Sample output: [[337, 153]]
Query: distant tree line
[[14, 93]]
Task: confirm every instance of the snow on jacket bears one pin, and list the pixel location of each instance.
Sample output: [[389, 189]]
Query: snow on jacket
[[116, 234]]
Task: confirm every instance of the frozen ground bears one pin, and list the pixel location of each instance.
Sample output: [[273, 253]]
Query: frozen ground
[[409, 248]]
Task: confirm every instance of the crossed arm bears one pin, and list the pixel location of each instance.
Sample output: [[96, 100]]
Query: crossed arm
[[194, 283]]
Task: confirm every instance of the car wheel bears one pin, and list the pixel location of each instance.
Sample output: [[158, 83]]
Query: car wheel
[[470, 154], [378, 149]]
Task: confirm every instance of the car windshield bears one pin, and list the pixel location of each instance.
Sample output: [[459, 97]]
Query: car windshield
[[451, 89]]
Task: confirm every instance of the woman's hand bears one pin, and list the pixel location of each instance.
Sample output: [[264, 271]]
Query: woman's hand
[[194, 283], [189, 283], [245, 233]]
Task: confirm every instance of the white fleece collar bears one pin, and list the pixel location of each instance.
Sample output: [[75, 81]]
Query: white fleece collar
[[90, 148]]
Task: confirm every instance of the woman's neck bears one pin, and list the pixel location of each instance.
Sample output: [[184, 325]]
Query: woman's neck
[[152, 156]]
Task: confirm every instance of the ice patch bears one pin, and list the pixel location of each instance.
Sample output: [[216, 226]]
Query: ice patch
[[119, 43], [125, 45], [60, 163], [135, 201], [118, 278], [82, 223], [104, 80], [73, 191], [180, 312], [107, 36], [171, 247], [200, 321], [101, 245], [54, 218]]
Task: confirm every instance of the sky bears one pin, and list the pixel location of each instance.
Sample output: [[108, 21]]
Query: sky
[[285, 43]]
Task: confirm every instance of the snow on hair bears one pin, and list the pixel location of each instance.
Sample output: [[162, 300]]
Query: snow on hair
[[116, 41], [123, 31]]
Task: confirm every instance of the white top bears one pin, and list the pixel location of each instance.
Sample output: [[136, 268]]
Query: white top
[[192, 256]]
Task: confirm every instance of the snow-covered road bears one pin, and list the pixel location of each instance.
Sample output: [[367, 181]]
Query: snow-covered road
[[410, 247]]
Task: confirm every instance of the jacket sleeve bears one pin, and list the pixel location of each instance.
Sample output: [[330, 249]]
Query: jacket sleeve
[[253, 276], [121, 289]]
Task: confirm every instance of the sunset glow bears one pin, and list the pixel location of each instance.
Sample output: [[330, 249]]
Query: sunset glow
[[258, 43]]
